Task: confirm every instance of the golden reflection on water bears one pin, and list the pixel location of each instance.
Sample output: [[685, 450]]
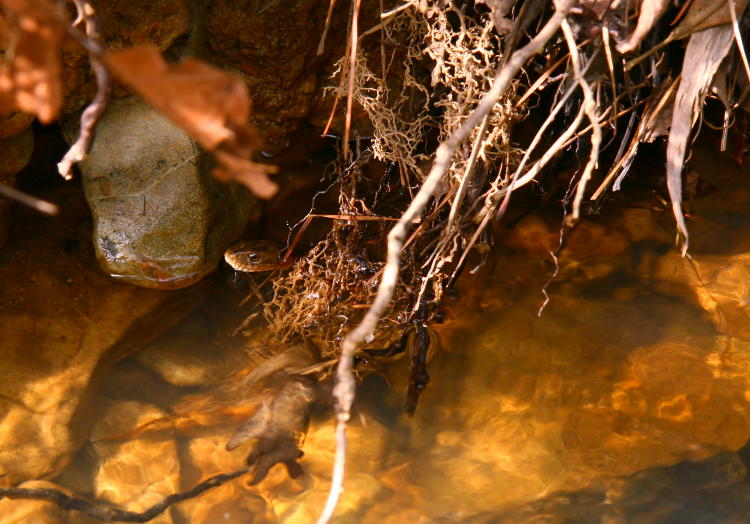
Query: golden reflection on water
[[588, 413], [521, 407]]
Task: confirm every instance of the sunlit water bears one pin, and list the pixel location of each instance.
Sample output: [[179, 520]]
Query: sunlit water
[[610, 381], [622, 402], [568, 417]]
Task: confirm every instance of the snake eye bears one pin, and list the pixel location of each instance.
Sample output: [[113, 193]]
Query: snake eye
[[253, 257]]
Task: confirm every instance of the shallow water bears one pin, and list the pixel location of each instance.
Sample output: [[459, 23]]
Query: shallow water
[[522, 409], [623, 402], [617, 404]]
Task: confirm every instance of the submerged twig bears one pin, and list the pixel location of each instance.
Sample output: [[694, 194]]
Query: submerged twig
[[344, 390], [110, 513]]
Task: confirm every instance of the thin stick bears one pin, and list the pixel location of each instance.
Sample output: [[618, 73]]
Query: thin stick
[[94, 111], [386, 18], [589, 106], [322, 43], [352, 74], [738, 37], [535, 142], [110, 513], [344, 390], [468, 172], [636, 138], [611, 68], [42, 206]]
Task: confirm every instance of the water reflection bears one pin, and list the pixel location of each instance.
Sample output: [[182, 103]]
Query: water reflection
[[564, 418], [622, 403]]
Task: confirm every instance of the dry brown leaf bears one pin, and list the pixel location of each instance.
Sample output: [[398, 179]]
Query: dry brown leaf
[[705, 51], [650, 13], [212, 106], [251, 174], [704, 14], [31, 81]]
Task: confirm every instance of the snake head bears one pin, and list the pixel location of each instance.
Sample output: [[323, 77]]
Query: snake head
[[250, 256]]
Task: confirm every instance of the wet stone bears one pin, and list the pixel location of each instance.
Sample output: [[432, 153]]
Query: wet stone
[[63, 325], [187, 357], [719, 284], [160, 219]]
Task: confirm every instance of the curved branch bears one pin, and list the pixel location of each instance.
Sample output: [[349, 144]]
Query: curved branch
[[344, 391]]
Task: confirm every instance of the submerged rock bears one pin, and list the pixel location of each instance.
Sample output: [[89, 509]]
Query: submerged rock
[[234, 501], [135, 474], [720, 284], [63, 326], [711, 490], [186, 357], [160, 220]]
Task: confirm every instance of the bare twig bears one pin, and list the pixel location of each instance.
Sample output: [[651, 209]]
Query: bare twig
[[94, 111], [387, 18], [42, 206], [352, 74], [329, 15], [738, 37], [642, 128], [344, 390], [589, 106], [110, 513]]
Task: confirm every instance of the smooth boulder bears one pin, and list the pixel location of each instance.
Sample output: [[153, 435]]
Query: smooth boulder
[[160, 220]]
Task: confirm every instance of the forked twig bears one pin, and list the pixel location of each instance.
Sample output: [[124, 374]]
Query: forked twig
[[110, 513], [94, 111], [344, 390]]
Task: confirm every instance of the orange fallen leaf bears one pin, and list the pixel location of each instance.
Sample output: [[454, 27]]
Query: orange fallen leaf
[[30, 81], [211, 105]]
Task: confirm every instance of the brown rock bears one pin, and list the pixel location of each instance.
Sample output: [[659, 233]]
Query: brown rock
[[532, 235], [273, 44], [589, 240], [15, 152], [160, 220], [63, 324], [124, 24], [13, 123], [642, 224], [186, 357], [720, 284]]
